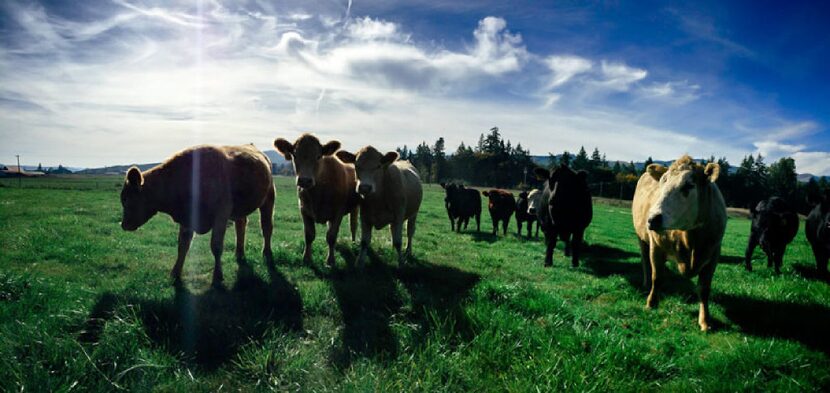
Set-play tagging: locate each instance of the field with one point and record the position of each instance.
(86, 306)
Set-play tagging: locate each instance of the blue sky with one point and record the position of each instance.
(113, 82)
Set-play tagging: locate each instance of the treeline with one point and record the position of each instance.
(496, 162)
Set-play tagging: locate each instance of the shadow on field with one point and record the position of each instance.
(603, 261)
(437, 292)
(805, 323)
(739, 260)
(208, 328)
(484, 236)
(367, 299)
(811, 273)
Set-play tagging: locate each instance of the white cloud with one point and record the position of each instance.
(813, 162)
(369, 29)
(620, 77)
(564, 68)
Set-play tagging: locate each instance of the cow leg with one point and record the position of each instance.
(753, 242)
(779, 258)
(504, 225)
(331, 238)
(217, 243)
(658, 262)
(397, 240)
(185, 237)
(538, 225)
(365, 240)
(410, 233)
(704, 283)
(266, 224)
(495, 226)
(310, 234)
(240, 226)
(770, 251)
(568, 247)
(529, 229)
(518, 228)
(645, 259)
(550, 242)
(452, 221)
(466, 222)
(354, 220)
(478, 222)
(576, 243)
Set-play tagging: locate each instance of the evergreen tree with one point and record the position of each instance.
(581, 160)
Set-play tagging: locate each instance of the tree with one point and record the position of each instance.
(439, 161)
(783, 180)
(39, 167)
(596, 159)
(581, 160)
(566, 158)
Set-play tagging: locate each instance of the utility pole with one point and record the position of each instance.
(19, 172)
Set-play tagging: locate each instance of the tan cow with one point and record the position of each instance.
(325, 188)
(391, 193)
(679, 213)
(202, 188)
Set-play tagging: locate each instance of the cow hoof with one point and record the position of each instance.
(549, 265)
(330, 261)
(574, 264)
(704, 326)
(240, 257)
(749, 268)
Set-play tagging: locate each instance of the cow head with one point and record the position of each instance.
(305, 154)
(823, 207)
(770, 217)
(135, 201)
(369, 165)
(563, 183)
(680, 189)
(453, 193)
(534, 198)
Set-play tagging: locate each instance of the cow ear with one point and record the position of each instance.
(523, 195)
(346, 157)
(330, 148)
(656, 171)
(134, 177)
(443, 185)
(712, 171)
(389, 158)
(284, 147)
(541, 173)
(752, 208)
(485, 193)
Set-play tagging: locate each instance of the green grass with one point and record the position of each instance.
(86, 306)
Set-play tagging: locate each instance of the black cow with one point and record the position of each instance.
(523, 215)
(462, 203)
(774, 225)
(501, 206)
(567, 209)
(818, 232)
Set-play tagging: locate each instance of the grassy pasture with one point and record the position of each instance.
(86, 306)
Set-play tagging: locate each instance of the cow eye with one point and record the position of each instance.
(687, 187)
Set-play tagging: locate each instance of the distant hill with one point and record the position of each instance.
(115, 169)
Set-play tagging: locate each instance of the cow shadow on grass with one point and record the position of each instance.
(810, 273)
(805, 323)
(739, 260)
(207, 329)
(484, 236)
(369, 300)
(604, 261)
(437, 294)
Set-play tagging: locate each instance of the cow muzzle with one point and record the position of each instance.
(364, 189)
(305, 182)
(655, 222)
(532, 210)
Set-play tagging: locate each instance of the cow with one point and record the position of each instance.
(325, 189)
(462, 203)
(679, 213)
(501, 205)
(390, 192)
(523, 214)
(565, 210)
(202, 188)
(774, 225)
(817, 229)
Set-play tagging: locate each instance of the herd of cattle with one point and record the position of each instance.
(678, 211)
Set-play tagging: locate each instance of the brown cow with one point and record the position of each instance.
(391, 193)
(325, 187)
(679, 213)
(202, 188)
(501, 204)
